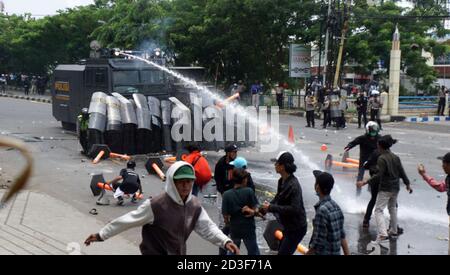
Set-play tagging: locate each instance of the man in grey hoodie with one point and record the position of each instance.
(167, 220)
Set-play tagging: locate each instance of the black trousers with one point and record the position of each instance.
(280, 101)
(326, 118)
(290, 241)
(84, 141)
(362, 115)
(375, 116)
(441, 106)
(371, 204)
(310, 118)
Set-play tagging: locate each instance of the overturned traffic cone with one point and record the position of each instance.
(291, 135)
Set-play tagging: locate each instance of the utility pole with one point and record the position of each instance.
(327, 33)
(341, 47)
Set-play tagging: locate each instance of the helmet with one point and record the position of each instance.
(239, 162)
(131, 164)
(85, 111)
(372, 128)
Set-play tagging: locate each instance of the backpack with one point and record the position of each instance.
(201, 167)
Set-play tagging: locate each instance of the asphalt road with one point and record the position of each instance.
(63, 173)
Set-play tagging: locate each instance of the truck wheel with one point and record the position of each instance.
(68, 126)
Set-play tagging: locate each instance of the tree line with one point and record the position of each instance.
(232, 39)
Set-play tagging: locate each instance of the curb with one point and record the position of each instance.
(428, 119)
(37, 99)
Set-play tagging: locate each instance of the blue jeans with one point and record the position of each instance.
(290, 101)
(250, 244)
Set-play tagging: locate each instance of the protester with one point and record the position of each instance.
(390, 171)
(440, 186)
(371, 165)
(287, 204)
(241, 163)
(239, 207)
(202, 170)
(223, 175)
(367, 145)
(161, 217)
(127, 183)
(328, 225)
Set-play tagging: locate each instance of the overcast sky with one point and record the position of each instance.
(41, 7)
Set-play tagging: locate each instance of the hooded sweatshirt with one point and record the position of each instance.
(167, 221)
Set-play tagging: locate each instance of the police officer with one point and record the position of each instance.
(82, 129)
(361, 106)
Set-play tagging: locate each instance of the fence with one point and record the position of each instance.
(418, 102)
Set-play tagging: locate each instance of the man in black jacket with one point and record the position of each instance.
(361, 107)
(223, 170)
(287, 205)
(223, 175)
(367, 145)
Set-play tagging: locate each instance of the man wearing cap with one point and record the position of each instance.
(168, 219)
(440, 186)
(223, 175)
(223, 170)
(241, 163)
(328, 225)
(287, 205)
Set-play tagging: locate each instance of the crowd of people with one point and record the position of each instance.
(240, 205)
(31, 84)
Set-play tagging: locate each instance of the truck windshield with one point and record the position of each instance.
(129, 81)
(146, 77)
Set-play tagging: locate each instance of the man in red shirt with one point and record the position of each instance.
(441, 186)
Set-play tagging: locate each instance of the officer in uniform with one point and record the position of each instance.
(82, 129)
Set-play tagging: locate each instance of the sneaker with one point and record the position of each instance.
(119, 201)
(399, 230)
(133, 199)
(393, 236)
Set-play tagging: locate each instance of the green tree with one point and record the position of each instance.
(371, 32)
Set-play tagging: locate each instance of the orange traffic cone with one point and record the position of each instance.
(291, 135)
